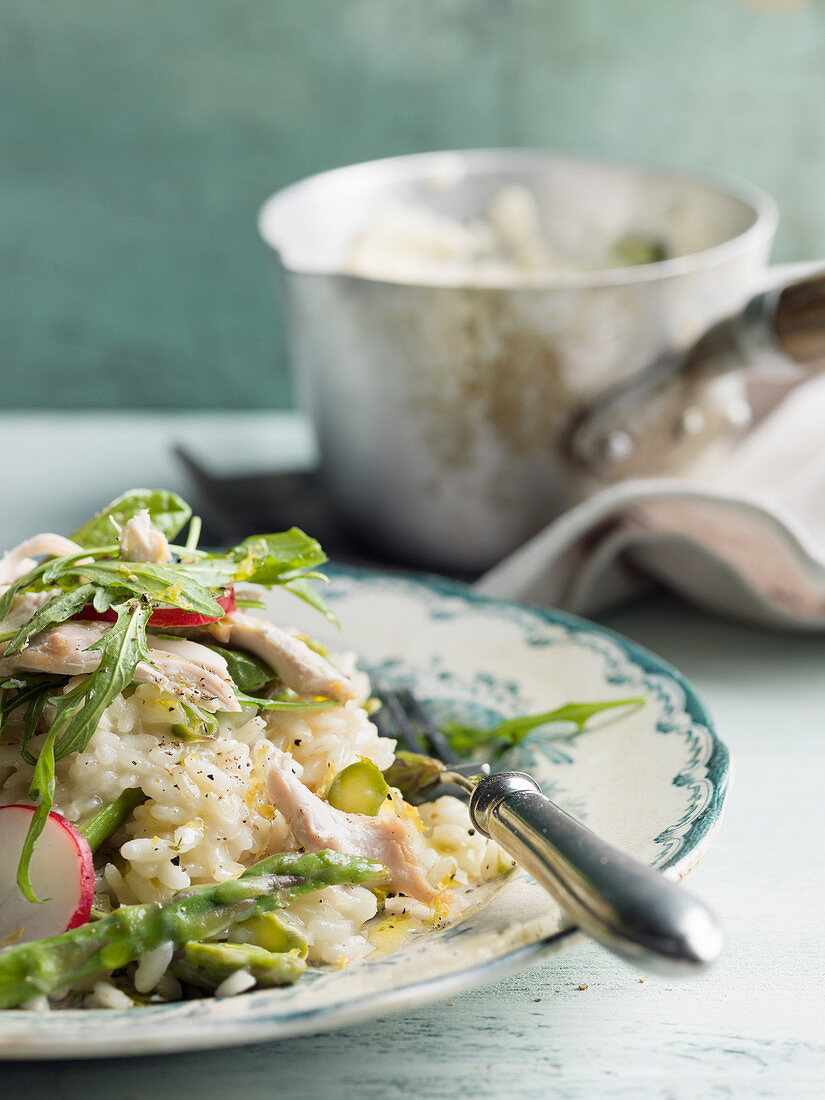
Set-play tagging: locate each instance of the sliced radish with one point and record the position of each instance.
(168, 616)
(61, 870)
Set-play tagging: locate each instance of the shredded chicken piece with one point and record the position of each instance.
(189, 671)
(316, 825)
(63, 650)
(300, 667)
(140, 541)
(17, 562)
(25, 605)
(182, 669)
(191, 651)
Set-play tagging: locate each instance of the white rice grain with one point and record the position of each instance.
(152, 967)
(236, 983)
(106, 995)
(449, 831)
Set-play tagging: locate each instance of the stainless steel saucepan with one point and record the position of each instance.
(457, 416)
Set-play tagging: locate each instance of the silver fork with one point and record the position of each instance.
(626, 906)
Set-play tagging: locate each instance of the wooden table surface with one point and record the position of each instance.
(754, 1026)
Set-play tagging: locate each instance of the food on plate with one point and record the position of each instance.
(189, 923)
(192, 798)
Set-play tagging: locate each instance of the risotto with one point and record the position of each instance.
(188, 768)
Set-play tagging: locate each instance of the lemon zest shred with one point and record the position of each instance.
(440, 908)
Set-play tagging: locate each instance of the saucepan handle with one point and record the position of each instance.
(787, 318)
(797, 317)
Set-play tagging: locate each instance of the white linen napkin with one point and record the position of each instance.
(751, 545)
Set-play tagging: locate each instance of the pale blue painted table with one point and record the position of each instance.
(753, 1027)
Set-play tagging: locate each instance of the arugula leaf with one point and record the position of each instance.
(42, 787)
(193, 534)
(21, 584)
(247, 672)
(33, 715)
(243, 602)
(168, 512)
(281, 559)
(77, 714)
(57, 567)
(18, 691)
(264, 559)
(301, 588)
(121, 648)
(284, 704)
(25, 691)
(57, 610)
(166, 584)
(46, 573)
(467, 739)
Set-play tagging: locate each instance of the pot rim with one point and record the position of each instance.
(759, 233)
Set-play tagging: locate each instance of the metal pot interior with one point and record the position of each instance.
(584, 204)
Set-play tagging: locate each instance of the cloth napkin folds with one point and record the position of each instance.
(750, 545)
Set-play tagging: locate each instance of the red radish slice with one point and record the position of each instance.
(168, 616)
(61, 870)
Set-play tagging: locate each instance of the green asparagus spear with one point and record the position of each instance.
(271, 931)
(111, 817)
(30, 969)
(207, 964)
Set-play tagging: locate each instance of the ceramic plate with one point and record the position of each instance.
(652, 781)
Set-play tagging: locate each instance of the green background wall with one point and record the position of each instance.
(139, 137)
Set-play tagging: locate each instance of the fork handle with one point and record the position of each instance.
(628, 907)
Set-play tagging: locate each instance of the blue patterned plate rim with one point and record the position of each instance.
(718, 765)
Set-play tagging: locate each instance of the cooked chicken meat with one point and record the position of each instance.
(316, 825)
(140, 541)
(190, 672)
(62, 650)
(23, 606)
(300, 667)
(19, 561)
(178, 667)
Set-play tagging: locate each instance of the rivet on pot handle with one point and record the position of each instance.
(609, 439)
